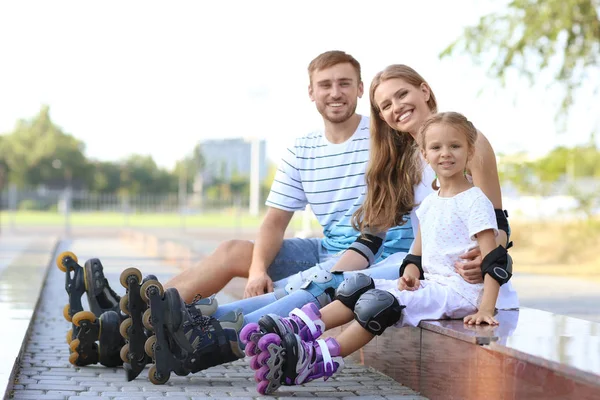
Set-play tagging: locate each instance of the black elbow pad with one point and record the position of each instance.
(498, 264)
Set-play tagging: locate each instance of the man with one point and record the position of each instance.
(324, 169)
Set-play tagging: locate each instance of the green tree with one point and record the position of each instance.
(106, 177)
(140, 174)
(560, 36)
(39, 152)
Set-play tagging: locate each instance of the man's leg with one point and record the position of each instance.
(231, 259)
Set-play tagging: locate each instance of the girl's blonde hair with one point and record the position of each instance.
(456, 121)
(394, 164)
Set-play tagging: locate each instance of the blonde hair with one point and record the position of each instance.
(394, 165)
(456, 121)
(331, 58)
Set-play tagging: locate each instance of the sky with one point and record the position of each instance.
(151, 77)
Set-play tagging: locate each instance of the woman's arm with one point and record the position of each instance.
(365, 250)
(484, 170)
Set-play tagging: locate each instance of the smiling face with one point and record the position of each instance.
(446, 149)
(401, 105)
(335, 91)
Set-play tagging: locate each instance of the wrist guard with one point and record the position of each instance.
(498, 264)
(412, 259)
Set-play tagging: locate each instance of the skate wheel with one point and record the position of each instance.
(255, 363)
(147, 320)
(150, 286)
(262, 358)
(83, 316)
(69, 336)
(263, 387)
(66, 312)
(251, 349)
(247, 331)
(261, 374)
(74, 345)
(124, 328)
(268, 339)
(124, 353)
(73, 358)
(61, 257)
(130, 273)
(149, 346)
(124, 304)
(157, 378)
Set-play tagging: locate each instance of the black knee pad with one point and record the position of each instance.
(376, 310)
(352, 288)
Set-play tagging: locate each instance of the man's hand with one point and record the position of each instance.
(471, 269)
(408, 283)
(257, 285)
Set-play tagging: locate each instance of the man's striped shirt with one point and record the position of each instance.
(331, 178)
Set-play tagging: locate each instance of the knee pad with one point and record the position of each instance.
(352, 288)
(323, 288)
(317, 281)
(376, 310)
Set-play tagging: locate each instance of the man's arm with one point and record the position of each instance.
(267, 245)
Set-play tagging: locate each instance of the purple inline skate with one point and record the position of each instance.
(305, 321)
(293, 361)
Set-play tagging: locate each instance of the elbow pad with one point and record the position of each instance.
(498, 264)
(412, 259)
(502, 221)
(369, 246)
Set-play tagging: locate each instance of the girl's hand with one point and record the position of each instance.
(408, 283)
(480, 317)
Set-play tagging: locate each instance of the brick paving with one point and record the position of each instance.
(44, 371)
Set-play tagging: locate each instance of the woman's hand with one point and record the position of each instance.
(470, 270)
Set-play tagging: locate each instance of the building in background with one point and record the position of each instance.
(225, 158)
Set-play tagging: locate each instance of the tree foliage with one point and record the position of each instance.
(562, 36)
(38, 151)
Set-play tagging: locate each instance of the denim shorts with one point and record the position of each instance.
(296, 255)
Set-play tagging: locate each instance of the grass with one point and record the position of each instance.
(556, 248)
(114, 219)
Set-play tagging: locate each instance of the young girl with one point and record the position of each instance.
(456, 218)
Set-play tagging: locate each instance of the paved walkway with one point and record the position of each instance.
(45, 373)
(23, 261)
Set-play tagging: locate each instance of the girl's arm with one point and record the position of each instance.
(416, 250)
(484, 170)
(487, 243)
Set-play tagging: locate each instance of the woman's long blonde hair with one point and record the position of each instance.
(394, 165)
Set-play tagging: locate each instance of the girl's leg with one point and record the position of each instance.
(336, 314)
(353, 338)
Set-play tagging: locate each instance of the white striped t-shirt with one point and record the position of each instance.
(331, 178)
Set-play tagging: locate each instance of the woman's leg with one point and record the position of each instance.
(246, 306)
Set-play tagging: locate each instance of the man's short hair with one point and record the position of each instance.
(331, 58)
